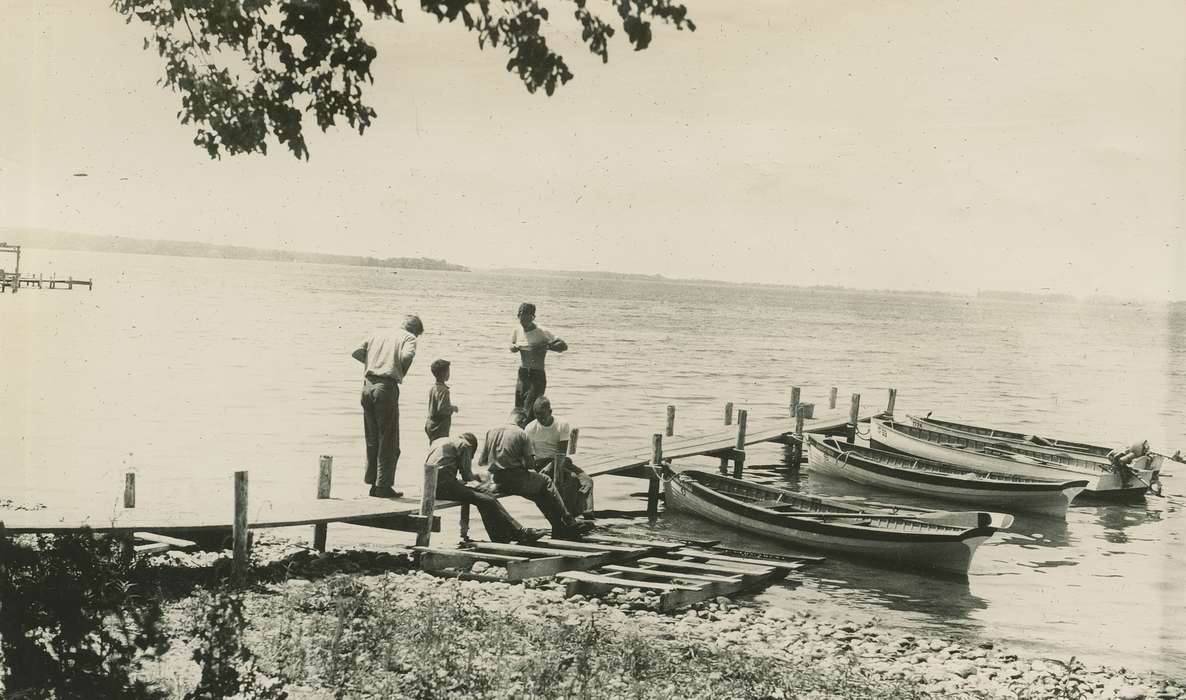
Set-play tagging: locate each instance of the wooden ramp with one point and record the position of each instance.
(711, 443)
(547, 557)
(392, 514)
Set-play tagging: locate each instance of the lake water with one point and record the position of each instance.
(184, 370)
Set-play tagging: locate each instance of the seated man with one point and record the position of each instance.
(508, 452)
(455, 454)
(549, 437)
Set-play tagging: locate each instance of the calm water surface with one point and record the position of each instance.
(184, 370)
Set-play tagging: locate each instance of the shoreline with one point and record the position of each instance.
(793, 648)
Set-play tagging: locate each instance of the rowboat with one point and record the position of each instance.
(939, 541)
(966, 450)
(893, 470)
(1143, 460)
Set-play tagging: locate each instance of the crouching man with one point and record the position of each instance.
(549, 437)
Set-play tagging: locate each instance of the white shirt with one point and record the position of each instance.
(546, 439)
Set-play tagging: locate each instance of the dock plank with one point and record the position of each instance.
(198, 514)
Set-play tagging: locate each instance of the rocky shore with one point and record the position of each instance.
(707, 650)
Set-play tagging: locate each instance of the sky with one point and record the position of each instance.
(947, 146)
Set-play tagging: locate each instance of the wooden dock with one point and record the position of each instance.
(15, 280)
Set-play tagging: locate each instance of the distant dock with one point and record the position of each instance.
(15, 280)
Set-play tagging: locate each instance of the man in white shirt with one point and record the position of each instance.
(388, 356)
(549, 437)
(532, 342)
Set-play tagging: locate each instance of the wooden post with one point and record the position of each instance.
(653, 489)
(428, 504)
(728, 413)
(854, 414)
(324, 479)
(739, 455)
(670, 420)
(893, 397)
(797, 442)
(832, 398)
(572, 440)
(239, 529)
(794, 402)
(129, 490)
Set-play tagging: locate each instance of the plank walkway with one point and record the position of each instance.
(710, 443)
(387, 513)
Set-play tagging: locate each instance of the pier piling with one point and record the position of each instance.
(797, 442)
(572, 440)
(129, 490)
(325, 471)
(893, 397)
(854, 413)
(239, 528)
(794, 406)
(428, 502)
(739, 448)
(656, 469)
(728, 413)
(670, 421)
(832, 398)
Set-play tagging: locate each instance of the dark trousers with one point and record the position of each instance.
(437, 430)
(531, 385)
(577, 491)
(380, 422)
(538, 489)
(500, 525)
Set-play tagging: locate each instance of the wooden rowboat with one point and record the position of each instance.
(899, 472)
(938, 541)
(1147, 462)
(967, 450)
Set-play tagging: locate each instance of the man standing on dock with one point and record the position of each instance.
(388, 356)
(532, 342)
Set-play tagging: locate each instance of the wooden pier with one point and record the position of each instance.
(15, 280)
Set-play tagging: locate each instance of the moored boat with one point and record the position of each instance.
(893, 470)
(1142, 459)
(967, 450)
(939, 541)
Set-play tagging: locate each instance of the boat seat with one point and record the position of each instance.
(774, 503)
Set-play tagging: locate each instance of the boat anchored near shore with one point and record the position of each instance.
(939, 541)
(892, 470)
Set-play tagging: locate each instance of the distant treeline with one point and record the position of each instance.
(35, 238)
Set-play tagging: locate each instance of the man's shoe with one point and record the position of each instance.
(385, 492)
(530, 534)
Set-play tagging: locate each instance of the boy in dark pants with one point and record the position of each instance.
(440, 408)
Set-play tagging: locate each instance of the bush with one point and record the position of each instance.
(75, 622)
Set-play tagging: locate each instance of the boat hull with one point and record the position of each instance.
(1146, 466)
(1101, 481)
(948, 553)
(890, 471)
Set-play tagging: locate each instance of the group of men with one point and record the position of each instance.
(520, 455)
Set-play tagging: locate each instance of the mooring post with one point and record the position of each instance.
(670, 420)
(728, 413)
(572, 440)
(325, 472)
(428, 504)
(794, 407)
(739, 448)
(854, 414)
(832, 398)
(129, 490)
(239, 528)
(797, 442)
(893, 397)
(656, 469)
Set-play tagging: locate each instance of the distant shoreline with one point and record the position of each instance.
(62, 240)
